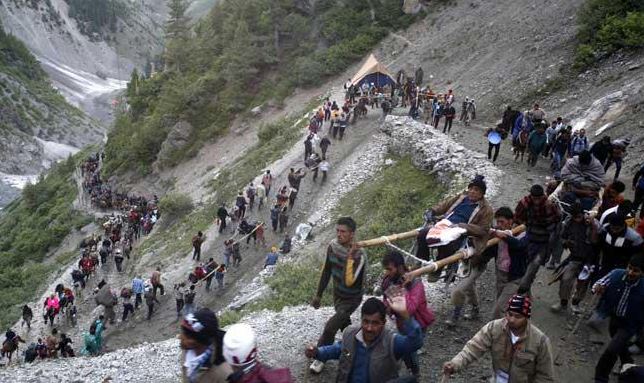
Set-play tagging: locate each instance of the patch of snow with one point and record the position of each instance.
(55, 151)
(18, 181)
(79, 85)
(599, 110)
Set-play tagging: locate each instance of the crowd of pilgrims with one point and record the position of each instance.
(576, 212)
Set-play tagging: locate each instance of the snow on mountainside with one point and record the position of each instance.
(83, 67)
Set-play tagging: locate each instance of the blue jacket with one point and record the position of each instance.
(518, 124)
(271, 259)
(137, 286)
(632, 309)
(411, 341)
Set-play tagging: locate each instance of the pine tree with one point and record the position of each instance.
(177, 24)
(133, 85)
(177, 33)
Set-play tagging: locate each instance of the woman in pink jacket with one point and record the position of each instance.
(52, 307)
(414, 292)
(53, 303)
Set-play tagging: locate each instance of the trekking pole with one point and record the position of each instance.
(582, 316)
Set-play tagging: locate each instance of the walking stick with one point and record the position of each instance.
(582, 316)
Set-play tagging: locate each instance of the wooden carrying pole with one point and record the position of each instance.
(456, 257)
(380, 241)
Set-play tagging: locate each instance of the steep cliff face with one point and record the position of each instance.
(85, 58)
(37, 125)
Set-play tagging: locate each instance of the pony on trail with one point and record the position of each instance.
(11, 346)
(520, 144)
(359, 110)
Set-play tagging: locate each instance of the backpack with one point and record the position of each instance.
(576, 140)
(76, 275)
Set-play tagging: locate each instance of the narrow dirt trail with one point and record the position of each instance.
(311, 195)
(86, 306)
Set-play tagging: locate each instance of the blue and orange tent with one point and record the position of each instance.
(374, 72)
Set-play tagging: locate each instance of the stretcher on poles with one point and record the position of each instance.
(428, 266)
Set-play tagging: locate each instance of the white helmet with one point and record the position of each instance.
(240, 345)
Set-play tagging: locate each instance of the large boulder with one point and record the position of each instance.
(411, 7)
(177, 139)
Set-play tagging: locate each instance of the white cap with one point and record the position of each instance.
(240, 345)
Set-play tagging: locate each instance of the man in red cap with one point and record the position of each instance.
(520, 351)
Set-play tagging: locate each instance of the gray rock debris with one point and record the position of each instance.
(148, 362)
(450, 162)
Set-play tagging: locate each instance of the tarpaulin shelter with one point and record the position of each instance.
(373, 72)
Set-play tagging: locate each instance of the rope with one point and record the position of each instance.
(405, 253)
(249, 234)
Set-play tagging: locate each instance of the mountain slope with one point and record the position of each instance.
(241, 55)
(82, 62)
(38, 126)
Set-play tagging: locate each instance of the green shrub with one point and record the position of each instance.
(175, 205)
(584, 56)
(30, 228)
(606, 26)
(620, 32)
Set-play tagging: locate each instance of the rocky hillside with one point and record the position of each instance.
(38, 126)
(89, 47)
(82, 62)
(499, 53)
(85, 48)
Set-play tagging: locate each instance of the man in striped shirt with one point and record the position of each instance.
(623, 302)
(346, 264)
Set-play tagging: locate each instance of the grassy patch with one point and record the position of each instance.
(393, 201)
(31, 227)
